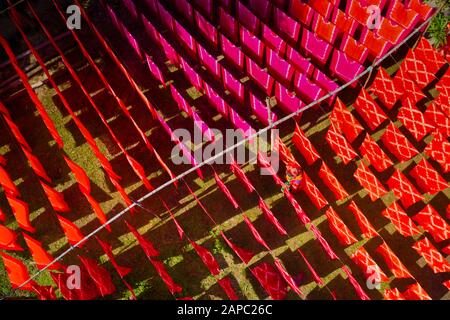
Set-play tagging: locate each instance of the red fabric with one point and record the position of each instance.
(404, 225)
(416, 292)
(225, 283)
(395, 265)
(315, 275)
(21, 213)
(313, 192)
(45, 292)
(428, 178)
(391, 31)
(422, 8)
(393, 294)
(225, 190)
(98, 211)
(325, 29)
(80, 175)
(40, 256)
(408, 86)
(403, 16)
(432, 256)
(177, 225)
(301, 11)
(285, 154)
(207, 258)
(43, 113)
(107, 249)
(376, 156)
(301, 215)
(8, 239)
(145, 244)
(242, 177)
(71, 231)
(36, 165)
(432, 222)
(332, 182)
(287, 277)
(339, 228)
(403, 189)
(99, 275)
(56, 198)
(7, 184)
(340, 146)
(428, 54)
(439, 150)
(122, 192)
(359, 291)
(329, 251)
(345, 122)
(370, 182)
(397, 143)
(369, 110)
(271, 217)
(243, 254)
(364, 224)
(17, 272)
(304, 146)
(435, 116)
(417, 70)
(140, 172)
(161, 269)
(367, 265)
(270, 280)
(2, 216)
(87, 291)
(414, 120)
(388, 91)
(255, 232)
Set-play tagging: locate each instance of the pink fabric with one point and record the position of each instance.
(181, 102)
(170, 52)
(279, 67)
(154, 69)
(133, 42)
(307, 90)
(324, 81)
(260, 76)
(216, 100)
(228, 25)
(247, 18)
(317, 48)
(192, 75)
(186, 38)
(345, 68)
(240, 123)
(301, 63)
(260, 109)
(185, 9)
(287, 100)
(209, 61)
(202, 126)
(261, 7)
(207, 29)
(233, 85)
(286, 25)
(152, 5)
(205, 6)
(274, 41)
(232, 53)
(150, 30)
(166, 17)
(252, 44)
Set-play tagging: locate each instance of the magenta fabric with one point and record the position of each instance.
(248, 19)
(228, 25)
(260, 110)
(232, 53)
(207, 29)
(279, 67)
(152, 5)
(261, 8)
(324, 81)
(300, 62)
(131, 7)
(209, 61)
(287, 100)
(259, 75)
(185, 38)
(192, 75)
(233, 85)
(115, 20)
(166, 17)
(133, 42)
(202, 126)
(185, 9)
(205, 6)
(181, 102)
(318, 49)
(154, 69)
(240, 123)
(170, 52)
(216, 100)
(286, 25)
(273, 41)
(345, 68)
(252, 44)
(150, 30)
(307, 90)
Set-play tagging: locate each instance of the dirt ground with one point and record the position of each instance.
(154, 223)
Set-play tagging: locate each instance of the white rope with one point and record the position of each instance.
(228, 150)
